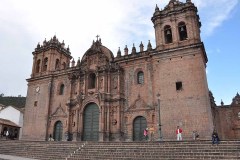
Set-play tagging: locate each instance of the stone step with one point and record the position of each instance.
(122, 150)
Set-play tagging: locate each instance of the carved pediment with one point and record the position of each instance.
(59, 112)
(139, 104)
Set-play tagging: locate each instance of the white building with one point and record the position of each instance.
(14, 115)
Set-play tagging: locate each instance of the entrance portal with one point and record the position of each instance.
(91, 123)
(58, 130)
(139, 124)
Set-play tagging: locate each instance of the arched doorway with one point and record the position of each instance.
(91, 122)
(58, 130)
(139, 124)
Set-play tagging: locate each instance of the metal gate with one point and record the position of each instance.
(58, 129)
(91, 123)
(139, 124)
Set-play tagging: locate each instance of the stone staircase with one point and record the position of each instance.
(169, 150)
(38, 150)
(158, 150)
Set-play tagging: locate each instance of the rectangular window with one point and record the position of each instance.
(179, 86)
(35, 103)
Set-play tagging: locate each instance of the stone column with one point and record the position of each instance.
(101, 135)
(34, 65)
(109, 82)
(80, 131)
(108, 123)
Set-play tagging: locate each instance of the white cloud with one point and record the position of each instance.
(214, 12)
(78, 22)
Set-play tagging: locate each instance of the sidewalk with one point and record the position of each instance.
(8, 157)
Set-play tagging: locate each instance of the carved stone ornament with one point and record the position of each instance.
(139, 104)
(37, 89)
(58, 113)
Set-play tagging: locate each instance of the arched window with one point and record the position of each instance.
(57, 64)
(140, 77)
(182, 30)
(64, 65)
(92, 81)
(168, 34)
(38, 66)
(61, 90)
(45, 64)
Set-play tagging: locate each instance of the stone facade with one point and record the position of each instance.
(227, 119)
(165, 86)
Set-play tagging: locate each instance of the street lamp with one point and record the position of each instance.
(159, 119)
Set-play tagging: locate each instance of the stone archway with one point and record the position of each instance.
(91, 123)
(58, 131)
(139, 124)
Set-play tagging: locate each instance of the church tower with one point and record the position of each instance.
(50, 56)
(50, 60)
(176, 25)
(180, 70)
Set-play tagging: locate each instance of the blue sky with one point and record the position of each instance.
(223, 67)
(120, 22)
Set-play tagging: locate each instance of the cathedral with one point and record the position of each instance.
(102, 97)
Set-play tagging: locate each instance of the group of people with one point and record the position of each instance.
(146, 132)
(151, 131)
(5, 134)
(215, 138)
(50, 138)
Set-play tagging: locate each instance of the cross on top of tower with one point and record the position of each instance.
(97, 37)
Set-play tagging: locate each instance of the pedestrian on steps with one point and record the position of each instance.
(7, 134)
(145, 133)
(179, 133)
(151, 130)
(215, 138)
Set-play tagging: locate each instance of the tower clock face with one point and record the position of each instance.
(37, 89)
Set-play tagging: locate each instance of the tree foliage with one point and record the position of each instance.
(18, 102)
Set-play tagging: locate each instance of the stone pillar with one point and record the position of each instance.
(109, 83)
(97, 82)
(108, 123)
(119, 123)
(80, 127)
(34, 65)
(101, 134)
(118, 89)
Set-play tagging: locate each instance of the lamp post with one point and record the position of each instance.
(159, 119)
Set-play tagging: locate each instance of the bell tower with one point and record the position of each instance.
(176, 25)
(180, 76)
(51, 56)
(50, 60)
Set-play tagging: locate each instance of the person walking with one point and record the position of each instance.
(179, 133)
(145, 133)
(151, 130)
